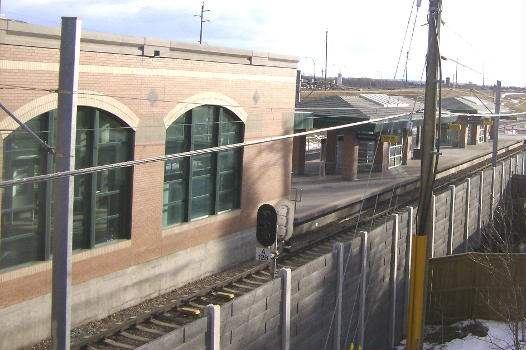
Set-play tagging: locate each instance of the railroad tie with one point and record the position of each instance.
(163, 323)
(150, 330)
(189, 311)
(224, 295)
(118, 344)
(135, 337)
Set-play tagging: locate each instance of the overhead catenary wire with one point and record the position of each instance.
(403, 41)
(349, 254)
(99, 168)
(411, 40)
(21, 87)
(478, 98)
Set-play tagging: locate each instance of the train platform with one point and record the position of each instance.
(323, 194)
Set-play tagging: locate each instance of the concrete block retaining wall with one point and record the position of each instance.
(322, 304)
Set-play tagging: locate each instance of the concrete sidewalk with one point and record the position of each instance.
(322, 195)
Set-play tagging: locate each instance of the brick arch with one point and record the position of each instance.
(207, 98)
(85, 98)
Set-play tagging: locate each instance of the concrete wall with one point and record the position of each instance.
(255, 320)
(124, 288)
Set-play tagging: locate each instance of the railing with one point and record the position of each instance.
(395, 156)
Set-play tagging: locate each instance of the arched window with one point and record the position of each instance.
(207, 184)
(102, 203)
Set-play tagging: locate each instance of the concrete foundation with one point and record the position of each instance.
(29, 321)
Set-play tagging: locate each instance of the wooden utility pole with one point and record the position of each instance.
(420, 248)
(202, 21)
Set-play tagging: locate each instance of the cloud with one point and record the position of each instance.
(365, 38)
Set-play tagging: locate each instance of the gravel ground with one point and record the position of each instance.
(97, 326)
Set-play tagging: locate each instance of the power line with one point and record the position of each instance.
(473, 92)
(411, 40)
(21, 87)
(113, 166)
(403, 41)
(99, 168)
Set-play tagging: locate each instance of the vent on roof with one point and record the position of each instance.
(384, 100)
(475, 100)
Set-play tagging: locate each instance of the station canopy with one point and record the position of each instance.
(338, 110)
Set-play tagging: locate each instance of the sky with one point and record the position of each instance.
(364, 37)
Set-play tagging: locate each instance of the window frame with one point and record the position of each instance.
(43, 230)
(187, 180)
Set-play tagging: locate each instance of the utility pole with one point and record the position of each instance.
(496, 121)
(326, 37)
(456, 74)
(483, 75)
(63, 187)
(202, 21)
(406, 59)
(420, 248)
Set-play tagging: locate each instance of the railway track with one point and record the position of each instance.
(149, 325)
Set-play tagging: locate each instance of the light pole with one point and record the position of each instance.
(314, 66)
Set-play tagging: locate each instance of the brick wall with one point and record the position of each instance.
(116, 76)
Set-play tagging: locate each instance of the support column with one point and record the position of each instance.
(213, 312)
(392, 280)
(486, 133)
(466, 222)
(298, 154)
(443, 132)
(463, 134)
(492, 195)
(481, 190)
(363, 287)
(407, 269)
(474, 137)
(286, 278)
(451, 228)
(339, 248)
(502, 179)
(63, 187)
(418, 143)
(381, 159)
(350, 156)
(432, 233)
(406, 144)
(330, 149)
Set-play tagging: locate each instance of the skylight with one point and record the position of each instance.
(384, 100)
(475, 100)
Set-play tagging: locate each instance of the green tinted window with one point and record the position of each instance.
(202, 185)
(101, 207)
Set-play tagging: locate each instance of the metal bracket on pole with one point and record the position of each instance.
(23, 126)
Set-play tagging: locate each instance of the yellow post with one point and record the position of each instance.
(416, 293)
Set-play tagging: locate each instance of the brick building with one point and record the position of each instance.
(142, 231)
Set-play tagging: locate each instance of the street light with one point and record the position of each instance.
(314, 65)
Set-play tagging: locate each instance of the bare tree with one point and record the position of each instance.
(502, 295)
